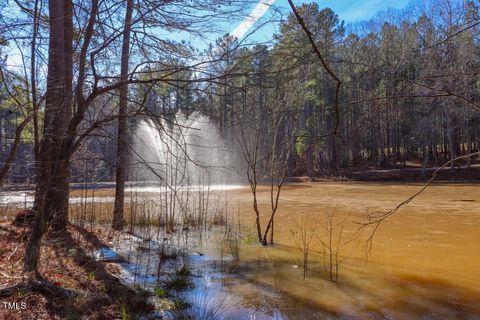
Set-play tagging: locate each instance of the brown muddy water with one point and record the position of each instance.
(424, 262)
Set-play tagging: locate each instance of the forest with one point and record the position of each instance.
(156, 163)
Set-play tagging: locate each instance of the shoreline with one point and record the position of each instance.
(409, 175)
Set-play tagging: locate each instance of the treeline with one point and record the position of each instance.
(409, 92)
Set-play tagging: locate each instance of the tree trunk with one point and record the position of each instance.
(51, 198)
(13, 150)
(33, 81)
(118, 218)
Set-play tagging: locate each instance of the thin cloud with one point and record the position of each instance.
(260, 9)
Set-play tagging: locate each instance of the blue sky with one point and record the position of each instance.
(355, 10)
(350, 11)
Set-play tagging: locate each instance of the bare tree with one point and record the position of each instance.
(31, 106)
(118, 219)
(332, 243)
(303, 237)
(269, 165)
(66, 127)
(14, 95)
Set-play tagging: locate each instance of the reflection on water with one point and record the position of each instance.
(217, 282)
(424, 262)
(13, 198)
(155, 188)
(26, 198)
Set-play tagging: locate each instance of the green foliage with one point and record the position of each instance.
(301, 143)
(124, 314)
(91, 275)
(16, 105)
(249, 238)
(160, 292)
(312, 83)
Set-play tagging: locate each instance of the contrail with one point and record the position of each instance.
(239, 32)
(260, 9)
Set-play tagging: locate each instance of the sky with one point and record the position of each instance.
(355, 10)
(350, 11)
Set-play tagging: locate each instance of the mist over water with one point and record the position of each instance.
(184, 151)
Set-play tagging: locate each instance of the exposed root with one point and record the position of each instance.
(8, 291)
(41, 286)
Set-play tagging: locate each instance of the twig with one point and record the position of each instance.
(380, 218)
